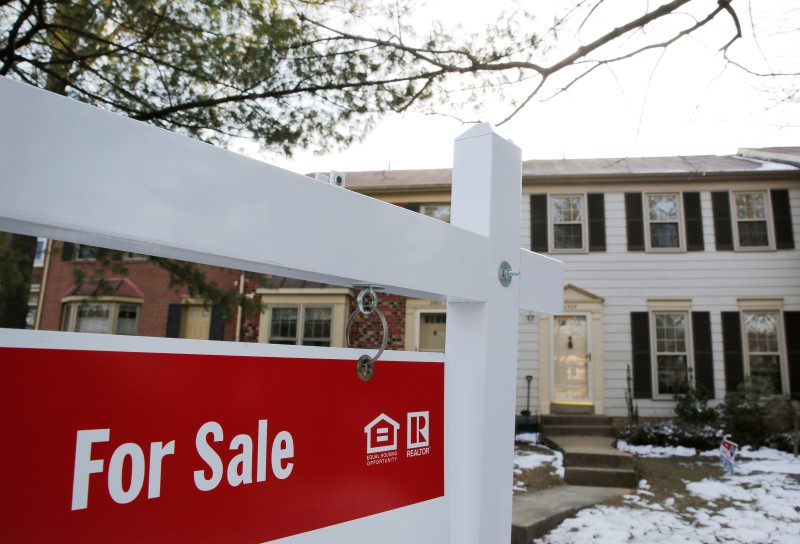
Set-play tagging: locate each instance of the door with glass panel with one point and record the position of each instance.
(432, 331)
(570, 359)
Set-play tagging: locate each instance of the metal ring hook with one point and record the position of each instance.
(365, 367)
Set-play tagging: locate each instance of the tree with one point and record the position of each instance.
(316, 74)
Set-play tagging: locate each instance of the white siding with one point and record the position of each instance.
(713, 281)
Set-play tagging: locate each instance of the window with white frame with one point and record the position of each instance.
(751, 216)
(568, 220)
(437, 211)
(41, 247)
(663, 221)
(763, 347)
(101, 317)
(301, 325)
(671, 353)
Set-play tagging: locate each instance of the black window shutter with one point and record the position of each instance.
(634, 221)
(732, 347)
(413, 207)
(782, 218)
(539, 223)
(703, 354)
(597, 221)
(694, 222)
(723, 230)
(67, 251)
(217, 325)
(640, 341)
(792, 322)
(174, 315)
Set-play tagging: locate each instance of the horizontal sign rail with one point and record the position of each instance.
(151, 191)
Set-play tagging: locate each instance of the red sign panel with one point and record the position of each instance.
(102, 446)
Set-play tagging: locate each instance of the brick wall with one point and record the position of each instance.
(149, 278)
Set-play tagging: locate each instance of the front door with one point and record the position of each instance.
(196, 322)
(570, 359)
(432, 331)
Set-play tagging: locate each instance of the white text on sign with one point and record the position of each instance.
(239, 470)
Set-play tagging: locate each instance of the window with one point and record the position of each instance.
(41, 246)
(664, 222)
(33, 304)
(437, 211)
(101, 317)
(308, 316)
(751, 213)
(568, 223)
(762, 347)
(86, 253)
(671, 352)
(671, 348)
(301, 325)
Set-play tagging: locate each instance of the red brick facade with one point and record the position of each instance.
(153, 282)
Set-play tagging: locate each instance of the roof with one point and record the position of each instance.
(534, 171)
(117, 287)
(785, 155)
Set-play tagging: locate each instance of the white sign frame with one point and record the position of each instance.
(76, 173)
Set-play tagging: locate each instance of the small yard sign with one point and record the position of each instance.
(142, 446)
(727, 453)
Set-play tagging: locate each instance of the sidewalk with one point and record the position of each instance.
(534, 514)
(596, 461)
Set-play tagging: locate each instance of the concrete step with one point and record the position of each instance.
(577, 430)
(601, 477)
(598, 460)
(585, 409)
(575, 420)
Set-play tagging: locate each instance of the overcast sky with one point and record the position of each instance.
(686, 101)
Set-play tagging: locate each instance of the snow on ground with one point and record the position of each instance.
(528, 460)
(758, 504)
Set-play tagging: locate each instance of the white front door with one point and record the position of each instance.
(571, 360)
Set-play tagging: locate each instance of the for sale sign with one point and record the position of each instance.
(134, 446)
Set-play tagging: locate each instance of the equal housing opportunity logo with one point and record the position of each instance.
(383, 434)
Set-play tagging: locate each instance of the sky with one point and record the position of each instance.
(686, 101)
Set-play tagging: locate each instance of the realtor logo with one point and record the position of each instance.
(381, 434)
(418, 429)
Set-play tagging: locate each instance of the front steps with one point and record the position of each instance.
(587, 443)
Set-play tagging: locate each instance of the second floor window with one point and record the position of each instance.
(663, 219)
(751, 213)
(437, 211)
(568, 219)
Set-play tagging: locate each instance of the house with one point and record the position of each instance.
(677, 270)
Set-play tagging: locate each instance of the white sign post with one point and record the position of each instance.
(79, 174)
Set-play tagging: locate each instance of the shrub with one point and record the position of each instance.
(671, 433)
(748, 414)
(693, 409)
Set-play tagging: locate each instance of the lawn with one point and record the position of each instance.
(683, 497)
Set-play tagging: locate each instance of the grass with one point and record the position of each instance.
(540, 478)
(667, 479)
